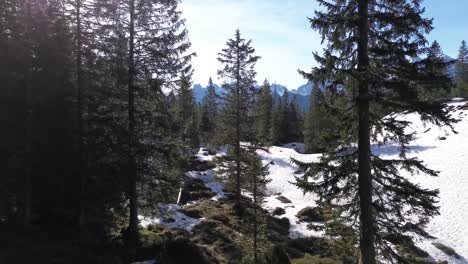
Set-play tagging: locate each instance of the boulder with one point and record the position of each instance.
(200, 165)
(278, 211)
(193, 190)
(212, 151)
(168, 220)
(283, 199)
(182, 250)
(192, 212)
(310, 214)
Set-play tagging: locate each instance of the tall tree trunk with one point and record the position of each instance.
(28, 123)
(133, 220)
(255, 219)
(238, 138)
(79, 87)
(367, 236)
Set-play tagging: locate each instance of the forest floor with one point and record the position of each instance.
(205, 227)
(442, 149)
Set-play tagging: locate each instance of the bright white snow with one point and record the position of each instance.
(439, 148)
(173, 218)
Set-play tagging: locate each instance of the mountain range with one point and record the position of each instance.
(301, 94)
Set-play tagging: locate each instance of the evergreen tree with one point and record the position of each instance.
(186, 113)
(238, 71)
(284, 118)
(155, 44)
(372, 192)
(294, 120)
(461, 71)
(209, 114)
(276, 122)
(257, 182)
(436, 90)
(264, 113)
(313, 122)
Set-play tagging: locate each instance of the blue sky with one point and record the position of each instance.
(281, 34)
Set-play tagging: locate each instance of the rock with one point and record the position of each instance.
(201, 165)
(193, 213)
(280, 225)
(182, 250)
(193, 190)
(197, 195)
(168, 220)
(212, 151)
(283, 199)
(310, 214)
(205, 154)
(272, 163)
(442, 138)
(278, 211)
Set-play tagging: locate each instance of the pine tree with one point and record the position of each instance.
(437, 67)
(294, 120)
(369, 189)
(264, 113)
(186, 113)
(238, 71)
(209, 114)
(276, 122)
(461, 71)
(313, 122)
(284, 122)
(257, 175)
(157, 57)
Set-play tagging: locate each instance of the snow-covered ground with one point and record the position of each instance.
(440, 149)
(446, 152)
(282, 183)
(173, 218)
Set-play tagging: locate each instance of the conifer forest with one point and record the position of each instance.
(158, 132)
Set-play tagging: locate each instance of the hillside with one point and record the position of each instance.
(441, 149)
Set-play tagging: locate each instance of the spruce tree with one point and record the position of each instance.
(152, 37)
(294, 120)
(238, 60)
(257, 185)
(284, 122)
(186, 113)
(437, 66)
(461, 71)
(209, 114)
(276, 122)
(372, 43)
(313, 122)
(264, 113)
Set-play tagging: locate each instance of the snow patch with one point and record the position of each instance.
(173, 218)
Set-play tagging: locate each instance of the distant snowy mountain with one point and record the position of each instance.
(305, 89)
(451, 67)
(280, 89)
(199, 92)
(301, 94)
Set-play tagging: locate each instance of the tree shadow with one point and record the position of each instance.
(395, 149)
